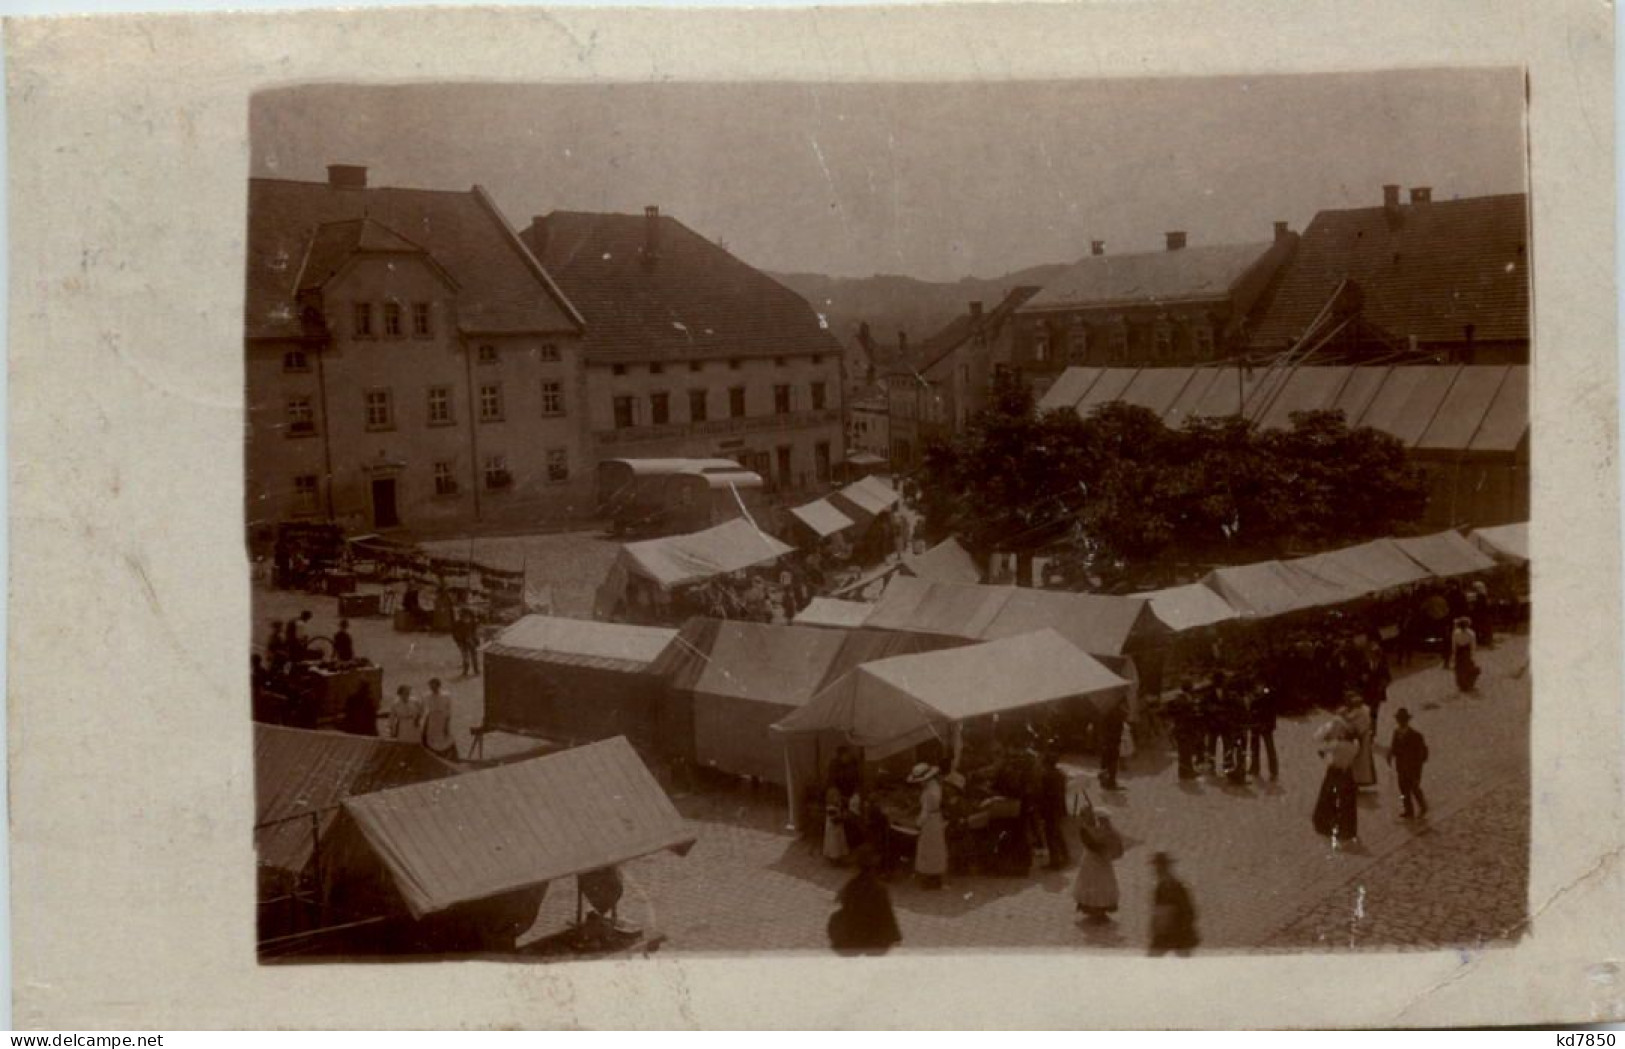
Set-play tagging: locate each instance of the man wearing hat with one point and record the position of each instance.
(1408, 752)
(931, 854)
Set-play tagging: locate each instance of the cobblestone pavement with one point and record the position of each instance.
(1463, 882)
(1258, 872)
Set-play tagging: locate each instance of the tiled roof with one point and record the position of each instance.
(297, 228)
(1477, 408)
(1427, 271)
(1205, 272)
(959, 330)
(694, 300)
(335, 242)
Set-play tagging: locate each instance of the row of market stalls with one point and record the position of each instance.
(772, 701)
(380, 844)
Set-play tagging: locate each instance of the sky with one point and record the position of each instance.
(935, 181)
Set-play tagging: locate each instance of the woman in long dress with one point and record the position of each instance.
(1095, 887)
(835, 843)
(1359, 721)
(931, 854)
(1336, 813)
(1463, 646)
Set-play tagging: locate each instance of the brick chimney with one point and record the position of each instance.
(1421, 194)
(1176, 239)
(1097, 247)
(651, 233)
(975, 311)
(1390, 197)
(347, 176)
(1281, 232)
(902, 344)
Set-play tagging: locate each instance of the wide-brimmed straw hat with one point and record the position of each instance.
(922, 772)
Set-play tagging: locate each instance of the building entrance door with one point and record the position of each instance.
(384, 514)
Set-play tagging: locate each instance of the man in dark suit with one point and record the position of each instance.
(1408, 752)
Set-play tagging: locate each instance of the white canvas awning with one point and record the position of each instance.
(889, 705)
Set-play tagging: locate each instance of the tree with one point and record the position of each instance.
(1121, 500)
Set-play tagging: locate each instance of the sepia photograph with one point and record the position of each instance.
(959, 516)
(1082, 515)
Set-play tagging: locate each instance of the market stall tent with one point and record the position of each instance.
(733, 679)
(1190, 607)
(890, 705)
(682, 560)
(947, 562)
(1103, 625)
(515, 827)
(866, 499)
(575, 680)
(833, 612)
(302, 777)
(1366, 569)
(1508, 544)
(1273, 588)
(926, 607)
(1445, 554)
(821, 518)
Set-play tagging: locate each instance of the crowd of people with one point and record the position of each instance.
(1011, 804)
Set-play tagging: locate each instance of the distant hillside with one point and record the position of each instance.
(890, 303)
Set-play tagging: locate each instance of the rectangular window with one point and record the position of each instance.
(295, 361)
(1077, 346)
(736, 402)
(657, 368)
(1119, 345)
(440, 406)
(695, 366)
(819, 392)
(617, 369)
(778, 362)
(734, 364)
(301, 417)
(821, 461)
(488, 354)
(1162, 344)
(496, 472)
(304, 494)
(558, 465)
(363, 320)
(491, 402)
(697, 406)
(1204, 341)
(781, 400)
(548, 352)
(552, 398)
(422, 327)
(1041, 348)
(623, 413)
(659, 409)
(380, 410)
(785, 469)
(392, 319)
(445, 482)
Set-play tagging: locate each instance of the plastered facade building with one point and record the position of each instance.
(409, 363)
